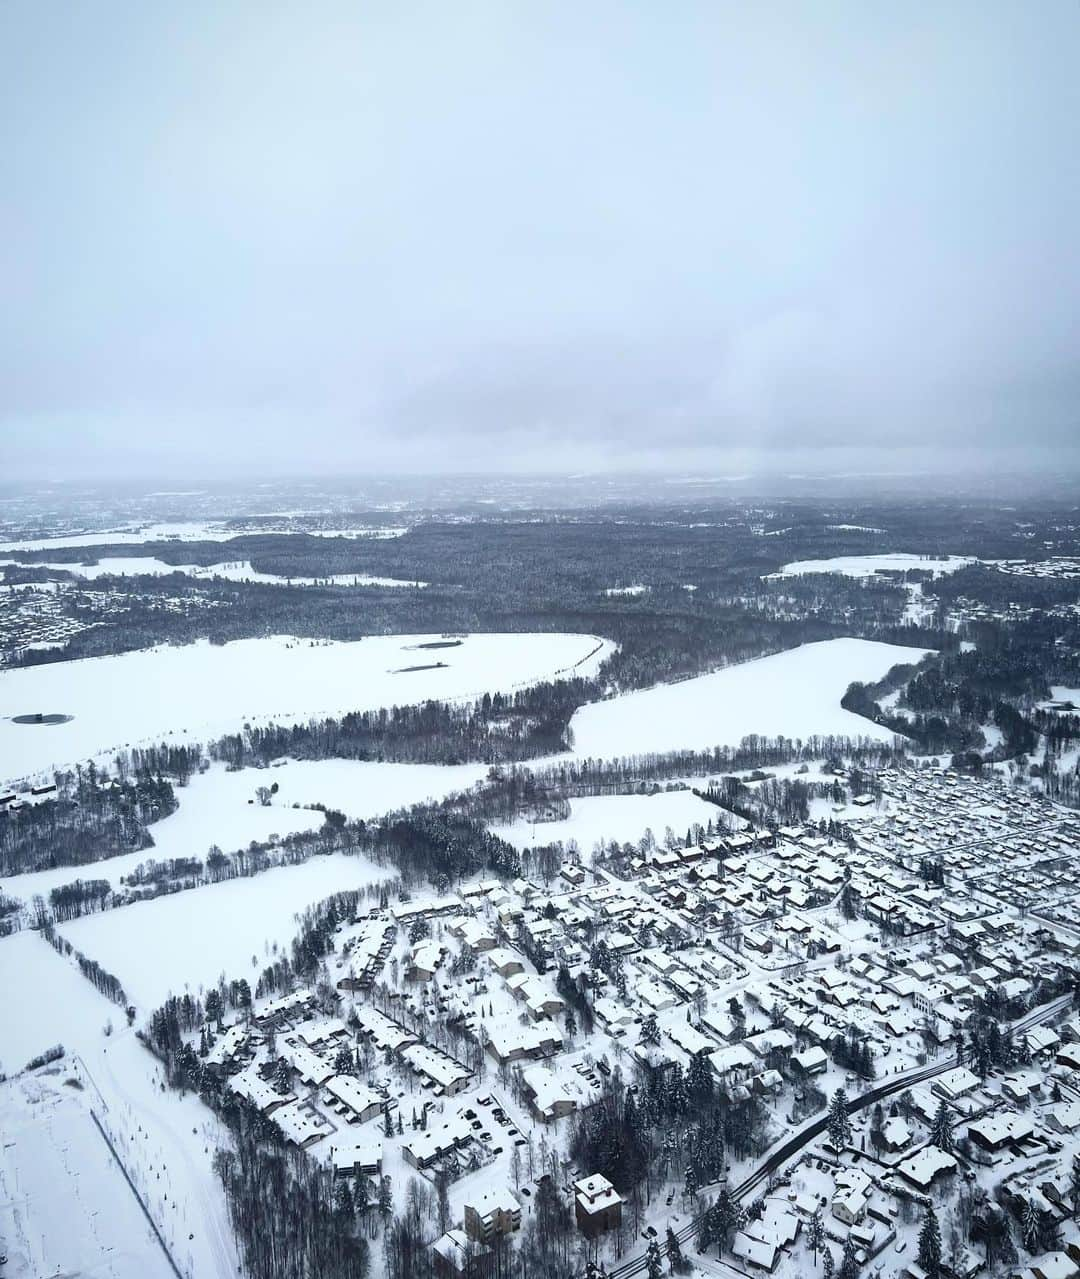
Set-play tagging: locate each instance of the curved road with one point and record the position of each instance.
(779, 1154)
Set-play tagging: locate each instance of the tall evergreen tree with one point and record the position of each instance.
(930, 1244)
(941, 1130)
(674, 1252)
(815, 1234)
(849, 1260)
(1030, 1227)
(839, 1123)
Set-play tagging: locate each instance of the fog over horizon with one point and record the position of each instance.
(339, 238)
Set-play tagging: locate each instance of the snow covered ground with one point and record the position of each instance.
(186, 941)
(1062, 694)
(357, 788)
(794, 694)
(231, 571)
(214, 809)
(84, 1212)
(620, 817)
(867, 565)
(203, 690)
(64, 1205)
(183, 532)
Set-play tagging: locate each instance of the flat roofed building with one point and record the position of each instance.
(597, 1205)
(495, 1212)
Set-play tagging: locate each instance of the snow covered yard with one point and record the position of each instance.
(615, 817)
(794, 694)
(185, 941)
(204, 689)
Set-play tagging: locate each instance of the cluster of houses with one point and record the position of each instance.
(771, 957)
(35, 617)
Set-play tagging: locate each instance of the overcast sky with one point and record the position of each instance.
(334, 236)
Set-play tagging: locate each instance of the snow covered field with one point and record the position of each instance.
(203, 690)
(214, 809)
(1062, 694)
(794, 694)
(357, 788)
(232, 571)
(620, 817)
(867, 565)
(165, 1140)
(186, 941)
(183, 532)
(64, 1205)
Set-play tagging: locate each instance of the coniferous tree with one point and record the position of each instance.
(941, 1131)
(849, 1260)
(386, 1197)
(343, 1199)
(674, 1252)
(930, 1245)
(1030, 1227)
(839, 1123)
(815, 1234)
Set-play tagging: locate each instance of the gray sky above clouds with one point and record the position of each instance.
(336, 236)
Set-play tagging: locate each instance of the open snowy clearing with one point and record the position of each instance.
(65, 1207)
(233, 571)
(868, 565)
(186, 941)
(795, 694)
(184, 532)
(356, 787)
(203, 690)
(166, 1141)
(624, 818)
(214, 809)
(1062, 694)
(45, 1001)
